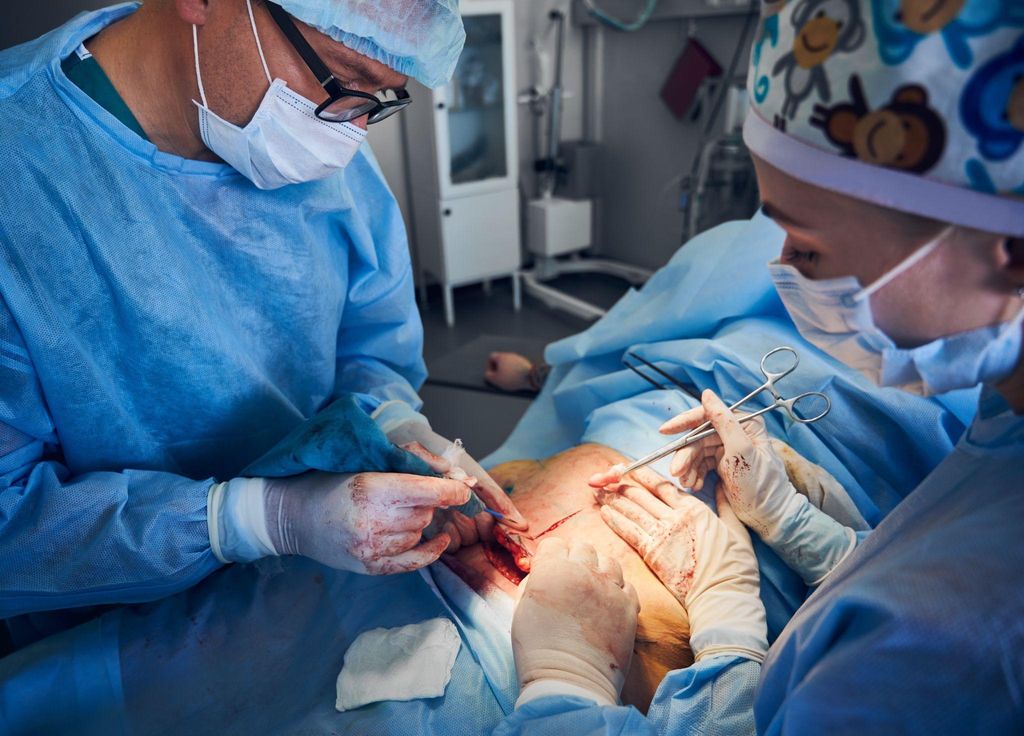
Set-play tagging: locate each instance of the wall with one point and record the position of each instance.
(22, 21)
(648, 148)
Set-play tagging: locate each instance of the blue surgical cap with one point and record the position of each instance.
(419, 38)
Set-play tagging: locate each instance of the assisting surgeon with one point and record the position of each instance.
(199, 254)
(900, 185)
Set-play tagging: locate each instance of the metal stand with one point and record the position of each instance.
(548, 268)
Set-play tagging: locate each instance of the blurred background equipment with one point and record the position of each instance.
(463, 162)
(560, 226)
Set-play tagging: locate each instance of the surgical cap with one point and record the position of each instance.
(419, 38)
(913, 105)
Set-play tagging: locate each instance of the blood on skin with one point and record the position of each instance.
(512, 542)
(503, 562)
(557, 524)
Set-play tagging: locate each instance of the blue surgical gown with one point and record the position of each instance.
(919, 630)
(162, 324)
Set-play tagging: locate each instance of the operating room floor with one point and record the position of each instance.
(483, 418)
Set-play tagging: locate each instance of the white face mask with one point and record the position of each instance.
(285, 142)
(835, 315)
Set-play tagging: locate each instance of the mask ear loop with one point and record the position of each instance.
(259, 46)
(199, 74)
(907, 263)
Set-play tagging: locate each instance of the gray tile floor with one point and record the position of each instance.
(483, 419)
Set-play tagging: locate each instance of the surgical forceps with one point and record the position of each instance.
(791, 406)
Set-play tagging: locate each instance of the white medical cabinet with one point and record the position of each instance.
(462, 152)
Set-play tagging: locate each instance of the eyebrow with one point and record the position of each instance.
(362, 69)
(780, 217)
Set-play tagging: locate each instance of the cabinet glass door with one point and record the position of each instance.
(476, 98)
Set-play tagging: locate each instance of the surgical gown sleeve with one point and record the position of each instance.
(712, 696)
(101, 537)
(380, 339)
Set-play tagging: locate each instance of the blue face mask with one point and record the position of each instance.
(835, 315)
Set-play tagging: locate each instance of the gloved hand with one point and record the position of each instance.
(575, 624)
(461, 529)
(367, 522)
(759, 489)
(417, 430)
(705, 561)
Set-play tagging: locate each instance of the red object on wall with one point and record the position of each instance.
(692, 67)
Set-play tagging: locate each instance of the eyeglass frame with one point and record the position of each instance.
(335, 90)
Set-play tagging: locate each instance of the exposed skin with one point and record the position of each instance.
(970, 281)
(508, 371)
(148, 57)
(554, 490)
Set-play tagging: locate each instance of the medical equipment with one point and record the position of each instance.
(809, 541)
(463, 163)
(558, 226)
(721, 179)
(791, 407)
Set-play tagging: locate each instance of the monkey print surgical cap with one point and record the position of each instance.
(917, 105)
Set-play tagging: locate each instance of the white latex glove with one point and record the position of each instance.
(461, 529)
(820, 486)
(367, 522)
(705, 561)
(759, 489)
(417, 430)
(575, 625)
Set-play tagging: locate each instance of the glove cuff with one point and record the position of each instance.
(391, 415)
(748, 640)
(753, 654)
(811, 542)
(543, 688)
(731, 620)
(237, 520)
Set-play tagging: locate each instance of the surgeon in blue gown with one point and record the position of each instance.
(894, 265)
(198, 253)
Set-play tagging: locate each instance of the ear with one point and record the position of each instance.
(193, 12)
(1012, 257)
(911, 94)
(841, 124)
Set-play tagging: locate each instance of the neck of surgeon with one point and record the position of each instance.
(147, 56)
(1012, 388)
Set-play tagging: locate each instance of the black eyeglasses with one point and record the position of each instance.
(344, 105)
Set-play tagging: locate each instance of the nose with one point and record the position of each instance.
(361, 122)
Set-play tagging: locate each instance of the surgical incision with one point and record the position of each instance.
(554, 497)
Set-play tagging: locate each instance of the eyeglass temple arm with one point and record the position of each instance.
(295, 37)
